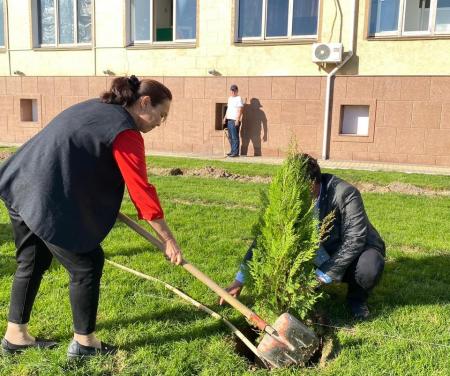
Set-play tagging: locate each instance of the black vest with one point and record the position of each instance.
(64, 182)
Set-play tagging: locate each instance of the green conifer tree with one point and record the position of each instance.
(281, 274)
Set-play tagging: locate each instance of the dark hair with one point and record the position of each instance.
(312, 168)
(127, 90)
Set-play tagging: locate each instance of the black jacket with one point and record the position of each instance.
(351, 232)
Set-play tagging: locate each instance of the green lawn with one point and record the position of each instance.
(161, 335)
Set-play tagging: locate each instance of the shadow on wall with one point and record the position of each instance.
(254, 127)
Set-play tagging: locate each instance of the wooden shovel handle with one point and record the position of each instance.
(248, 313)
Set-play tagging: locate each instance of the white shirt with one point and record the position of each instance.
(234, 104)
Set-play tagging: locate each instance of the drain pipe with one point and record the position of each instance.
(326, 118)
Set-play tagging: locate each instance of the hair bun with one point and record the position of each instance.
(134, 82)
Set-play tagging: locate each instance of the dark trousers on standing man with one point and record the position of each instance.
(233, 136)
(34, 257)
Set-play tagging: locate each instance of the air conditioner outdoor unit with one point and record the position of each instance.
(327, 52)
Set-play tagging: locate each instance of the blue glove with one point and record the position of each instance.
(321, 256)
(323, 277)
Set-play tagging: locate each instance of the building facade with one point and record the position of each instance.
(389, 102)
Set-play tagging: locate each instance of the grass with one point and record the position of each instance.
(161, 335)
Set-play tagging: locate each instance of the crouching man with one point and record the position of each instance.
(352, 253)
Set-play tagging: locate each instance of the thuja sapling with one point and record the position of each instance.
(281, 275)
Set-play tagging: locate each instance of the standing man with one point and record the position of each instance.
(233, 118)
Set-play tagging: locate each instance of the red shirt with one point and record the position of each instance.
(129, 153)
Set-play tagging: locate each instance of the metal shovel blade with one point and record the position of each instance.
(297, 346)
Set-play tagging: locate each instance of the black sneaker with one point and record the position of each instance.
(10, 348)
(359, 309)
(77, 350)
(228, 154)
(233, 155)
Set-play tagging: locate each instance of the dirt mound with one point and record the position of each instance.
(208, 172)
(219, 173)
(398, 187)
(4, 154)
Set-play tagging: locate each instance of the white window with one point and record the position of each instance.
(62, 23)
(409, 17)
(355, 120)
(165, 21)
(2, 24)
(276, 19)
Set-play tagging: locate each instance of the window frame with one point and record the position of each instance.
(175, 41)
(3, 47)
(400, 33)
(264, 38)
(57, 45)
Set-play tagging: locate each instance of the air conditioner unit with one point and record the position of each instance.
(327, 52)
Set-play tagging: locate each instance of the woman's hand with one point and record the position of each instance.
(173, 252)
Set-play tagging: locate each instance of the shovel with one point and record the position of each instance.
(287, 342)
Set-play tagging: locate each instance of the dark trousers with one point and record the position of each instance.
(363, 274)
(233, 136)
(34, 257)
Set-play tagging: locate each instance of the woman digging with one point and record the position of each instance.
(63, 190)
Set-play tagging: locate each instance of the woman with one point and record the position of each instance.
(63, 190)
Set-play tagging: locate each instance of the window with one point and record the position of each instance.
(28, 110)
(2, 24)
(355, 120)
(163, 21)
(63, 22)
(221, 110)
(276, 19)
(409, 17)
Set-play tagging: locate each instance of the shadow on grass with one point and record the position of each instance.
(406, 281)
(6, 234)
(7, 265)
(188, 334)
(182, 326)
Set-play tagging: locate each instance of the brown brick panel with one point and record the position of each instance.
(260, 87)
(13, 85)
(308, 87)
(415, 88)
(440, 89)
(79, 86)
(283, 88)
(194, 87)
(426, 115)
(359, 87)
(46, 85)
(176, 86)
(398, 114)
(216, 87)
(387, 88)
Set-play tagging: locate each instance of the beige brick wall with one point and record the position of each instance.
(412, 119)
(410, 116)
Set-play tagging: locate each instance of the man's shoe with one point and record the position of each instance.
(10, 348)
(359, 309)
(233, 155)
(77, 350)
(228, 154)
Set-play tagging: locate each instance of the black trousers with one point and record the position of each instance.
(34, 257)
(363, 274)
